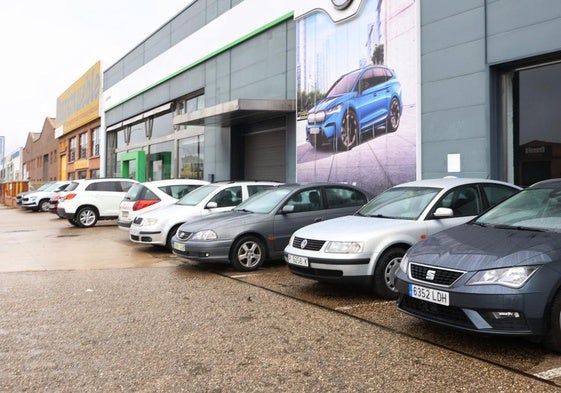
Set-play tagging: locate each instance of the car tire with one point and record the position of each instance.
(71, 221)
(170, 235)
(349, 130)
(552, 339)
(86, 217)
(384, 273)
(247, 254)
(44, 205)
(394, 112)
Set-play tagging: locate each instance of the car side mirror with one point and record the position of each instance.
(287, 209)
(443, 212)
(211, 205)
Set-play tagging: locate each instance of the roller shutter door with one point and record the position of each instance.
(265, 155)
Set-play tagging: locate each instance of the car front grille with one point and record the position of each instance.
(308, 244)
(436, 312)
(434, 275)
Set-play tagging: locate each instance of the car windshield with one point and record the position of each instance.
(196, 196)
(405, 203)
(343, 85)
(47, 186)
(535, 209)
(264, 201)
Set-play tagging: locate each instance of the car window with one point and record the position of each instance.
(344, 85)
(124, 185)
(178, 190)
(405, 203)
(306, 201)
(343, 197)
(231, 196)
(195, 197)
(254, 189)
(495, 193)
(264, 202)
(373, 77)
(72, 186)
(464, 201)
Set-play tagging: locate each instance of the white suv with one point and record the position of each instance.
(39, 200)
(86, 201)
(159, 226)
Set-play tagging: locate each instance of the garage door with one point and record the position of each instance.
(265, 155)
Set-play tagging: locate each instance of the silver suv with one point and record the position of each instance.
(89, 200)
(39, 200)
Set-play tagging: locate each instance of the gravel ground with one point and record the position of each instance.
(174, 329)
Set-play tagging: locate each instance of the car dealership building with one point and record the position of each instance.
(224, 90)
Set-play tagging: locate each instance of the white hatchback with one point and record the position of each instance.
(144, 197)
(367, 247)
(158, 226)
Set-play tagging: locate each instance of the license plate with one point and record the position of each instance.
(124, 213)
(315, 130)
(297, 260)
(135, 231)
(429, 294)
(179, 246)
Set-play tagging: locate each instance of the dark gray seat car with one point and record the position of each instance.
(497, 274)
(260, 228)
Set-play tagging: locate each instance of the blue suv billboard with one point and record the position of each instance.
(360, 101)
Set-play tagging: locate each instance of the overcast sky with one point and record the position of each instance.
(47, 45)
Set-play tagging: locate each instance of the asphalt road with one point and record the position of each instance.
(86, 310)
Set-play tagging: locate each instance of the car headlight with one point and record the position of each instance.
(404, 264)
(513, 277)
(204, 235)
(335, 109)
(149, 221)
(343, 247)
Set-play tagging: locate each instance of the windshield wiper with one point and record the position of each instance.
(244, 210)
(515, 227)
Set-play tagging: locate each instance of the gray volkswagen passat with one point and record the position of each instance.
(498, 274)
(259, 228)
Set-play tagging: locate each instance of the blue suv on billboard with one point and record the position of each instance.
(358, 102)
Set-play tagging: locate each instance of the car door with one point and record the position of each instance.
(372, 100)
(466, 203)
(308, 207)
(225, 199)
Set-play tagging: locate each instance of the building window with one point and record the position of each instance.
(72, 153)
(94, 174)
(191, 157)
(95, 142)
(83, 145)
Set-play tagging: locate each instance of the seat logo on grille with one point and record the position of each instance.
(303, 244)
(430, 275)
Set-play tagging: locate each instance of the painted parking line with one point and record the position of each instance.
(549, 374)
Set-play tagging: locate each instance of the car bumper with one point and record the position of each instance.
(485, 309)
(124, 224)
(216, 251)
(339, 267)
(30, 206)
(61, 212)
(145, 235)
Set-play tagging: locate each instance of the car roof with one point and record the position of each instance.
(166, 182)
(549, 183)
(448, 182)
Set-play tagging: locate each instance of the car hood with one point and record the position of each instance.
(173, 211)
(354, 228)
(330, 102)
(472, 247)
(224, 221)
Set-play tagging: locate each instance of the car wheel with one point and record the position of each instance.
(552, 340)
(247, 254)
(44, 205)
(349, 130)
(170, 235)
(86, 217)
(384, 273)
(393, 116)
(73, 222)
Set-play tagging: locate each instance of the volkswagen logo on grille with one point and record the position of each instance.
(303, 244)
(430, 275)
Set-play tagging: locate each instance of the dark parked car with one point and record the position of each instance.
(259, 228)
(358, 102)
(498, 274)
